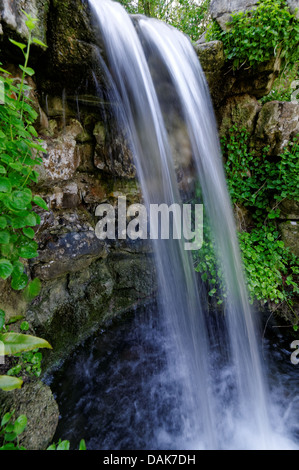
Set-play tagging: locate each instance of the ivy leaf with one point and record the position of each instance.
(29, 232)
(21, 199)
(5, 185)
(6, 268)
(20, 424)
(33, 289)
(40, 202)
(28, 250)
(4, 237)
(19, 282)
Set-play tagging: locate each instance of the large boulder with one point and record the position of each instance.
(221, 9)
(36, 401)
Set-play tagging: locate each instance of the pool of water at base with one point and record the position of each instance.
(116, 392)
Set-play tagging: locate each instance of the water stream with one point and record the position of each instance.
(190, 380)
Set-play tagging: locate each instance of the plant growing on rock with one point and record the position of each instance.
(258, 35)
(19, 154)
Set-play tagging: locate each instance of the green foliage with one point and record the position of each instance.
(27, 364)
(19, 155)
(257, 183)
(261, 184)
(258, 35)
(65, 445)
(270, 268)
(11, 430)
(189, 16)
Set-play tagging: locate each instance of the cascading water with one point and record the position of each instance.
(220, 404)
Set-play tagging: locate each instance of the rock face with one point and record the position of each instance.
(221, 9)
(13, 20)
(277, 124)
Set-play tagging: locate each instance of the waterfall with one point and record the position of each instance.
(222, 398)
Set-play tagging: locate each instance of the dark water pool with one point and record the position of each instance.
(109, 391)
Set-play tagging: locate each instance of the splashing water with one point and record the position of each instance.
(222, 399)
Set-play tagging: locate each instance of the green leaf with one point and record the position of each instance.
(3, 222)
(2, 319)
(38, 42)
(14, 319)
(30, 220)
(29, 232)
(28, 250)
(15, 343)
(18, 44)
(24, 326)
(52, 447)
(20, 424)
(40, 202)
(10, 383)
(4, 237)
(6, 418)
(21, 199)
(82, 445)
(19, 282)
(6, 268)
(28, 70)
(64, 445)
(33, 289)
(5, 185)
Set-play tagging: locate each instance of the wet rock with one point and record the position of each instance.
(60, 160)
(289, 209)
(212, 60)
(112, 153)
(71, 307)
(36, 401)
(256, 81)
(240, 111)
(290, 235)
(68, 253)
(277, 124)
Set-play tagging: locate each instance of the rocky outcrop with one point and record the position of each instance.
(221, 9)
(278, 123)
(35, 400)
(12, 19)
(240, 111)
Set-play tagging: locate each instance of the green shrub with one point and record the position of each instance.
(19, 155)
(259, 34)
(260, 185)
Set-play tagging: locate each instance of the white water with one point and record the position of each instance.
(224, 401)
